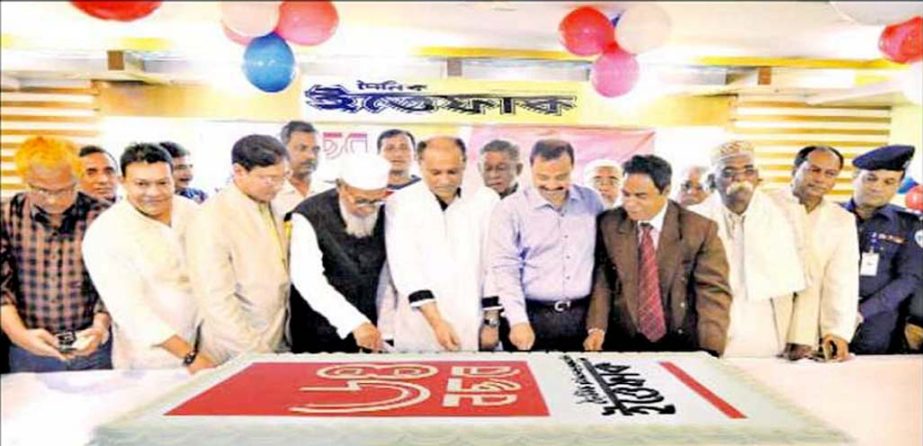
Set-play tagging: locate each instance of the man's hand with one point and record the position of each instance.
(522, 336)
(202, 362)
(368, 337)
(594, 341)
(489, 338)
(837, 345)
(96, 336)
(795, 352)
(446, 336)
(39, 342)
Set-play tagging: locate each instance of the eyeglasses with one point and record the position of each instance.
(689, 187)
(273, 180)
(746, 172)
(60, 193)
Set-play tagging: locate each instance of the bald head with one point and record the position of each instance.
(442, 164)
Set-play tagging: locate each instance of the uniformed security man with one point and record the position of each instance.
(891, 248)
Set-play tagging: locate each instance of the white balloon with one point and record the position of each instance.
(913, 83)
(251, 19)
(878, 13)
(642, 27)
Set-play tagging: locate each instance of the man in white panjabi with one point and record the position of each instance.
(765, 267)
(237, 255)
(435, 232)
(337, 257)
(825, 313)
(134, 254)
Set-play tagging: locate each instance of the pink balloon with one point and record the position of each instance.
(586, 31)
(614, 73)
(237, 38)
(307, 22)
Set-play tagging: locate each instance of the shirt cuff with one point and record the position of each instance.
(515, 315)
(420, 298)
(347, 327)
(491, 303)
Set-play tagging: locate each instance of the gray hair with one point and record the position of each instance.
(502, 146)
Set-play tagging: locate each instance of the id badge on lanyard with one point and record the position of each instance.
(868, 264)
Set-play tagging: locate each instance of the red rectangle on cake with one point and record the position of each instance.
(374, 389)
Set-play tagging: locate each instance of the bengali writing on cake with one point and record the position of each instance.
(616, 388)
(374, 389)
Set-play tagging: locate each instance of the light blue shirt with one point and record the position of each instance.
(537, 252)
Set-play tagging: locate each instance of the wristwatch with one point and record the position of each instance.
(492, 322)
(190, 357)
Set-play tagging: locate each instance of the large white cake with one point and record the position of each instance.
(477, 399)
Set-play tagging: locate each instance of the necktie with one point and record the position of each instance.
(266, 213)
(650, 309)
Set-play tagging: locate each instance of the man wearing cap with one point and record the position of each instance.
(435, 232)
(890, 245)
(540, 254)
(765, 266)
(825, 311)
(239, 272)
(337, 254)
(661, 280)
(604, 176)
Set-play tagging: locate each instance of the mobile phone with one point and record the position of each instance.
(66, 340)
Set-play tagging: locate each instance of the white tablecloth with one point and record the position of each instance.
(877, 400)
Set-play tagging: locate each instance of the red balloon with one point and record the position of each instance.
(230, 34)
(614, 73)
(914, 198)
(307, 22)
(124, 11)
(903, 42)
(586, 31)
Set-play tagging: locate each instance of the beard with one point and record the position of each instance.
(359, 227)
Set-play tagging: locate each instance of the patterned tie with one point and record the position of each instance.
(650, 310)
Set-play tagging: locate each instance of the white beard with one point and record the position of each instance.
(359, 227)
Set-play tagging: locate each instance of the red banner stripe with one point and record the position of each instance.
(703, 391)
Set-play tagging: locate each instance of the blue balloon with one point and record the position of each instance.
(908, 184)
(269, 63)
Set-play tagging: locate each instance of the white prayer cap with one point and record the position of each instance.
(366, 171)
(589, 171)
(730, 149)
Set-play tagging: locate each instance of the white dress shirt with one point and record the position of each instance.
(308, 278)
(440, 251)
(289, 198)
(238, 272)
(139, 267)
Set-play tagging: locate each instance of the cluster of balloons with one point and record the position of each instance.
(267, 28)
(586, 31)
(122, 11)
(901, 40)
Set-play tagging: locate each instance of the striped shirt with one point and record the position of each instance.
(42, 267)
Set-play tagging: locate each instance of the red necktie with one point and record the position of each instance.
(650, 310)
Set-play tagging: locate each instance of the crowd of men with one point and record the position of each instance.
(162, 275)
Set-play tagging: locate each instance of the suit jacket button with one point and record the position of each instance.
(680, 331)
(682, 304)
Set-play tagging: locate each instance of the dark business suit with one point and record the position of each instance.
(693, 272)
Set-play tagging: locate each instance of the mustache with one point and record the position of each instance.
(739, 186)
